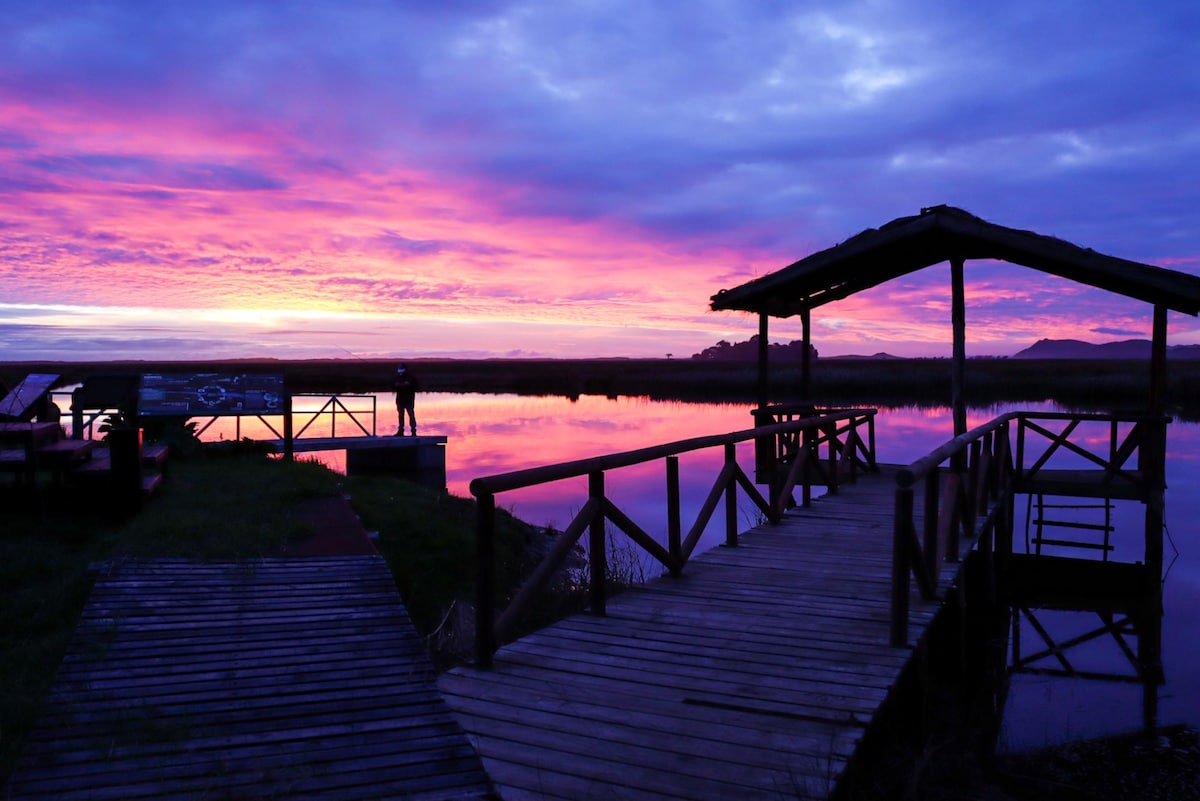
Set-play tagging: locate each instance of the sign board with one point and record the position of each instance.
(209, 394)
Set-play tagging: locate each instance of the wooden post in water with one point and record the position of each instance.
(1150, 634)
(597, 558)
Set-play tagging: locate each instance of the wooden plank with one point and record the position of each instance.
(236, 680)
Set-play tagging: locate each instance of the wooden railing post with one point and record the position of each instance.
(485, 611)
(289, 439)
(831, 436)
(933, 486)
(901, 566)
(972, 482)
(952, 514)
(597, 556)
(674, 524)
(871, 435)
(1006, 497)
(731, 527)
(808, 451)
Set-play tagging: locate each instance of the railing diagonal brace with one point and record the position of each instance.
(706, 511)
(639, 535)
(563, 544)
(753, 494)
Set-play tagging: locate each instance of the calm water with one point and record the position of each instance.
(497, 433)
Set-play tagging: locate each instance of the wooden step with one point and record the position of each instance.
(64, 452)
(151, 482)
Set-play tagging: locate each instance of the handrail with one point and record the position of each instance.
(519, 479)
(331, 406)
(838, 431)
(980, 485)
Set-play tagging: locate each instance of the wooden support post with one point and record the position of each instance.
(805, 357)
(1149, 631)
(674, 526)
(485, 612)
(763, 379)
(1152, 461)
(1158, 362)
(901, 566)
(958, 315)
(597, 557)
(1155, 467)
(731, 527)
(125, 452)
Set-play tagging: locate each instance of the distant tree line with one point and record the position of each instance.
(748, 351)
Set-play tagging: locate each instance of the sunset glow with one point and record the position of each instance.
(488, 178)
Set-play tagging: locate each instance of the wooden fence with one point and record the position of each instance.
(798, 445)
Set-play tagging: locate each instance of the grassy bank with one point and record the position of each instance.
(212, 507)
(1103, 384)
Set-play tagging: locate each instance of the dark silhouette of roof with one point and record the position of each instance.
(945, 233)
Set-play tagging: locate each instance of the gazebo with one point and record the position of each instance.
(947, 234)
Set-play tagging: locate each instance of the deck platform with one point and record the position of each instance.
(271, 678)
(310, 444)
(752, 676)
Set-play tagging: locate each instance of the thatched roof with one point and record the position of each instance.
(944, 233)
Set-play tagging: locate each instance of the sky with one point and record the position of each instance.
(471, 178)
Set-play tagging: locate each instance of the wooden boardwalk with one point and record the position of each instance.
(753, 676)
(273, 678)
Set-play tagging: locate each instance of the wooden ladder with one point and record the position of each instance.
(1041, 522)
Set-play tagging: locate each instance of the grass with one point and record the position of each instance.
(428, 540)
(228, 506)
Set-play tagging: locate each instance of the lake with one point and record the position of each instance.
(490, 434)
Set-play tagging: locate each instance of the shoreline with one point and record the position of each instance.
(1117, 385)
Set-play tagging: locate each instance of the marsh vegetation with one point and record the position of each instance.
(1095, 383)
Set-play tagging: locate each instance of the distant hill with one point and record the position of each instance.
(874, 357)
(1077, 349)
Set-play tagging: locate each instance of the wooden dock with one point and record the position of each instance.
(752, 676)
(272, 678)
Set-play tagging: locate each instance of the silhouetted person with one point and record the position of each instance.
(406, 399)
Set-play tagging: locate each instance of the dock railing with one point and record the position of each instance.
(968, 486)
(780, 458)
(350, 409)
(838, 432)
